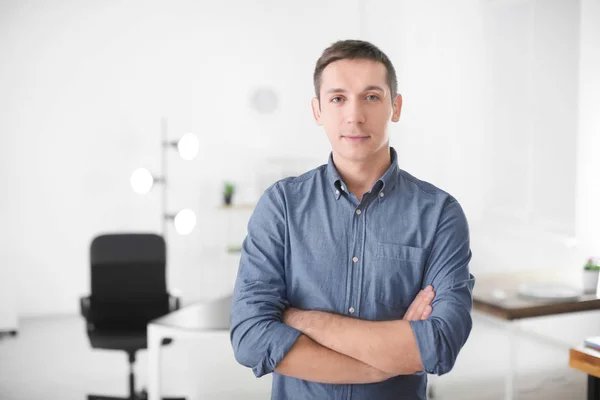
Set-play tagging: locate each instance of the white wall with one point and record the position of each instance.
(588, 146)
(490, 114)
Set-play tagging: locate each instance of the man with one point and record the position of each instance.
(334, 258)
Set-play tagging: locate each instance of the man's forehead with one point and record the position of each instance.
(349, 74)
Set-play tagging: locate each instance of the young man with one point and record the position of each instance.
(340, 265)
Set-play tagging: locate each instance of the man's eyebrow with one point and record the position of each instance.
(368, 88)
(374, 87)
(336, 90)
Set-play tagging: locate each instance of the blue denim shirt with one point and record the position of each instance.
(300, 251)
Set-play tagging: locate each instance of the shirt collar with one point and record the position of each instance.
(390, 177)
(334, 179)
(384, 185)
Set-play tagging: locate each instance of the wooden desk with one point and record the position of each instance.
(587, 360)
(497, 296)
(489, 289)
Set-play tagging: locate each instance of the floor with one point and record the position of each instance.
(51, 359)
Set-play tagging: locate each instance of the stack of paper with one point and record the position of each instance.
(593, 342)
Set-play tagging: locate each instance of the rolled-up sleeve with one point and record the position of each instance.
(259, 337)
(441, 337)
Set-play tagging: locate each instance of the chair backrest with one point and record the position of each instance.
(128, 279)
(128, 266)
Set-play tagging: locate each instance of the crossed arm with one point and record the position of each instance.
(338, 349)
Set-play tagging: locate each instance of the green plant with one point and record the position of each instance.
(591, 265)
(228, 189)
(234, 248)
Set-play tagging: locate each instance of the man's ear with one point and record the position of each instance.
(316, 109)
(396, 108)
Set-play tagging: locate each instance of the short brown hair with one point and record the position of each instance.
(354, 49)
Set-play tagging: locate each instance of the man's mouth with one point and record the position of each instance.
(356, 138)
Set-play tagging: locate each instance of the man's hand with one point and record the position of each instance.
(420, 308)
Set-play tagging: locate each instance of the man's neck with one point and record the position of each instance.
(361, 176)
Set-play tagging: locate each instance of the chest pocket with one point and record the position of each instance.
(395, 277)
(399, 252)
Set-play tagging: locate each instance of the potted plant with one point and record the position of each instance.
(591, 270)
(228, 191)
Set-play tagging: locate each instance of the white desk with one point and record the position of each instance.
(209, 318)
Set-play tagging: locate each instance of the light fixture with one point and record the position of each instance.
(188, 146)
(142, 180)
(185, 221)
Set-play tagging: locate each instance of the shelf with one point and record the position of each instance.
(244, 206)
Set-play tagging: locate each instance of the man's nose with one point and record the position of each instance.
(355, 113)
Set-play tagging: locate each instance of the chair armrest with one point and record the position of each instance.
(84, 307)
(174, 299)
(174, 302)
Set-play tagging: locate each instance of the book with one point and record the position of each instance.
(593, 342)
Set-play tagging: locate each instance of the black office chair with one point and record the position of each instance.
(128, 289)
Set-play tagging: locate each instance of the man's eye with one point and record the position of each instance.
(372, 97)
(336, 99)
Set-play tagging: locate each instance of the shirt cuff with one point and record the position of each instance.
(283, 338)
(427, 344)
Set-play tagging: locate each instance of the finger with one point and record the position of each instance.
(425, 301)
(411, 313)
(426, 313)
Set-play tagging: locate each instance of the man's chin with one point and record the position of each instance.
(359, 153)
(355, 155)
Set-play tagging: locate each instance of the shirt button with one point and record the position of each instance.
(337, 192)
(355, 259)
(342, 187)
(351, 310)
(381, 194)
(358, 212)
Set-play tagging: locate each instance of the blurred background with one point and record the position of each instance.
(501, 102)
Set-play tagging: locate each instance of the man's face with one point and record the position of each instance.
(355, 109)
